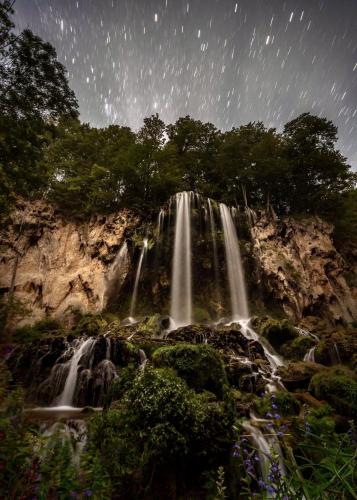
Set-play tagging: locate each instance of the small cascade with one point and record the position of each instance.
(84, 348)
(306, 333)
(181, 286)
(335, 354)
(137, 278)
(160, 222)
(310, 355)
(239, 303)
(265, 444)
(143, 359)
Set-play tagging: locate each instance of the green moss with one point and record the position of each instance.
(201, 315)
(200, 366)
(297, 348)
(286, 404)
(338, 386)
(150, 326)
(90, 324)
(277, 332)
(39, 330)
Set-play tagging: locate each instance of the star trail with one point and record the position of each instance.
(224, 61)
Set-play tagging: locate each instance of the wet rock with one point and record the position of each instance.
(298, 375)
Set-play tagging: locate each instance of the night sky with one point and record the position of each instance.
(224, 61)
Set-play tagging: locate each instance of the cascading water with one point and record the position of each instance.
(137, 278)
(84, 347)
(310, 355)
(181, 286)
(239, 303)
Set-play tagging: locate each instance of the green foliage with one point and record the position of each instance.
(338, 386)
(90, 324)
(34, 94)
(15, 446)
(159, 422)
(39, 330)
(201, 366)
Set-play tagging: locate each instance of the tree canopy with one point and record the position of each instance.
(46, 150)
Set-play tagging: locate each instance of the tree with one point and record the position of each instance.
(318, 172)
(33, 82)
(34, 95)
(196, 146)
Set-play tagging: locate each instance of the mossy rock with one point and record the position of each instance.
(337, 347)
(277, 332)
(297, 348)
(298, 375)
(285, 402)
(201, 366)
(235, 370)
(337, 386)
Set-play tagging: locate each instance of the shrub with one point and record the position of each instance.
(39, 330)
(160, 425)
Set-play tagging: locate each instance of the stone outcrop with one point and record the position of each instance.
(54, 265)
(301, 269)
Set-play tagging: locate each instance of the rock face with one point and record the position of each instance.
(301, 269)
(55, 266)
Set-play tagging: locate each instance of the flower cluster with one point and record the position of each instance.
(276, 423)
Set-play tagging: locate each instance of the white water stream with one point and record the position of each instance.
(239, 302)
(137, 278)
(66, 398)
(181, 286)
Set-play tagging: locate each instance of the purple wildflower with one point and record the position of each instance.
(88, 493)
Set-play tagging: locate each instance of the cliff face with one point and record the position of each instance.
(302, 270)
(55, 266)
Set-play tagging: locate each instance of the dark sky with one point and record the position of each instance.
(225, 61)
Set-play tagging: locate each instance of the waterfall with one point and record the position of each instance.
(137, 278)
(238, 293)
(181, 287)
(214, 246)
(84, 347)
(310, 355)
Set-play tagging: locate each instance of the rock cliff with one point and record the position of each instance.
(302, 270)
(55, 266)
